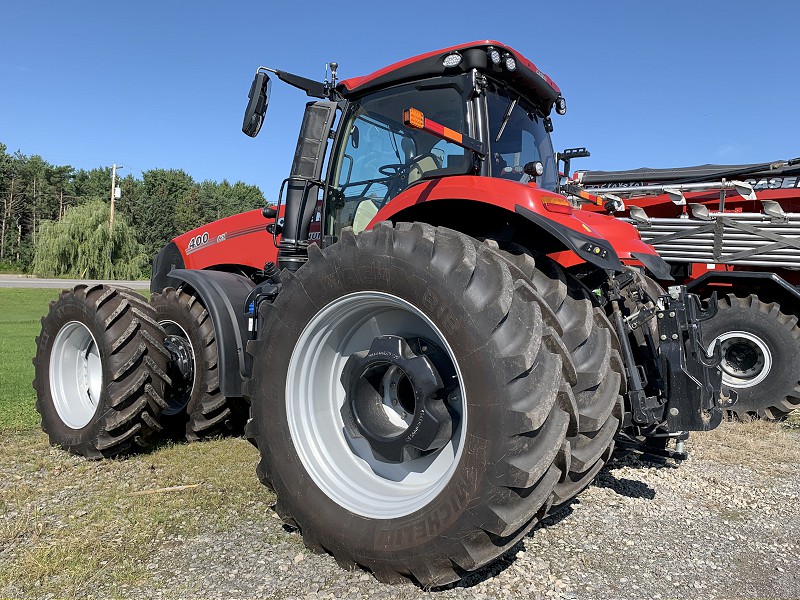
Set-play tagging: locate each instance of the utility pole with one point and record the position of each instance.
(113, 188)
(113, 196)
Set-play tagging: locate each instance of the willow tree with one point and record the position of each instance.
(81, 245)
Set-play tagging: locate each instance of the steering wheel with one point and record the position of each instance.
(394, 169)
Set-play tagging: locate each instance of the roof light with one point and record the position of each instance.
(561, 105)
(452, 60)
(494, 55)
(510, 62)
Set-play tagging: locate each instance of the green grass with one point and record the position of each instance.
(20, 312)
(75, 528)
(70, 527)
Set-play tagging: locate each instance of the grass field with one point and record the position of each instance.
(73, 522)
(20, 312)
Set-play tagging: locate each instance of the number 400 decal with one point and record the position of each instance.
(198, 240)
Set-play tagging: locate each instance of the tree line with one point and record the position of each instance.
(54, 219)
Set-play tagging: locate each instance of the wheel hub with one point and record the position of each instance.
(746, 359)
(180, 367)
(395, 399)
(338, 458)
(76, 374)
(742, 357)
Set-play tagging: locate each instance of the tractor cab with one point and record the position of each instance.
(486, 110)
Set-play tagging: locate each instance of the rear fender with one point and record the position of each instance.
(224, 296)
(510, 196)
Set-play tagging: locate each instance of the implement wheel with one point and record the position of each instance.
(100, 371)
(760, 356)
(410, 403)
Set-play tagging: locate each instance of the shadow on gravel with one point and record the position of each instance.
(625, 487)
(629, 488)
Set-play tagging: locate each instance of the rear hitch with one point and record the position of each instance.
(692, 376)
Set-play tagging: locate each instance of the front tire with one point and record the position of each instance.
(196, 407)
(760, 356)
(430, 515)
(100, 371)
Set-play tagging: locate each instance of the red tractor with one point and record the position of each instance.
(422, 377)
(734, 230)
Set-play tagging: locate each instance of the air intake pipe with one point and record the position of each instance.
(304, 184)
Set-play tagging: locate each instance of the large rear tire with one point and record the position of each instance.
(760, 356)
(196, 408)
(439, 296)
(100, 371)
(599, 379)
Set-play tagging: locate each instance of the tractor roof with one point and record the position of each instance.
(527, 78)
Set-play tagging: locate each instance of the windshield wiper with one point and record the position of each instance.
(506, 118)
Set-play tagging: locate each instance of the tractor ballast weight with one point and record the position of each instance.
(435, 347)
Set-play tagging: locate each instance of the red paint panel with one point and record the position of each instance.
(355, 82)
(237, 240)
(624, 237)
(499, 192)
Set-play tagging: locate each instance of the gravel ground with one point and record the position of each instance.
(724, 524)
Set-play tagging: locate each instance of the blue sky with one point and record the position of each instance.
(164, 84)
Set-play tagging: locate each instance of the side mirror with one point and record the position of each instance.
(257, 106)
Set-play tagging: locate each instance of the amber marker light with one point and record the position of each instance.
(415, 118)
(557, 204)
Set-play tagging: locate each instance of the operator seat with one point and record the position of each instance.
(366, 211)
(422, 166)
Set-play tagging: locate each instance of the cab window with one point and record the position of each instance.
(517, 136)
(380, 157)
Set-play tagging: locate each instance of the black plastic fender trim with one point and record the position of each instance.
(655, 264)
(581, 244)
(224, 295)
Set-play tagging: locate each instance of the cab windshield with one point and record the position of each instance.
(517, 136)
(381, 157)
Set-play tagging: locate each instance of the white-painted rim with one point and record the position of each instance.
(76, 375)
(340, 464)
(748, 377)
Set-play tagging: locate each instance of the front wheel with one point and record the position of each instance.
(409, 403)
(196, 408)
(100, 370)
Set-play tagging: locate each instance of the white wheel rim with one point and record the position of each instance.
(341, 465)
(76, 375)
(746, 359)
